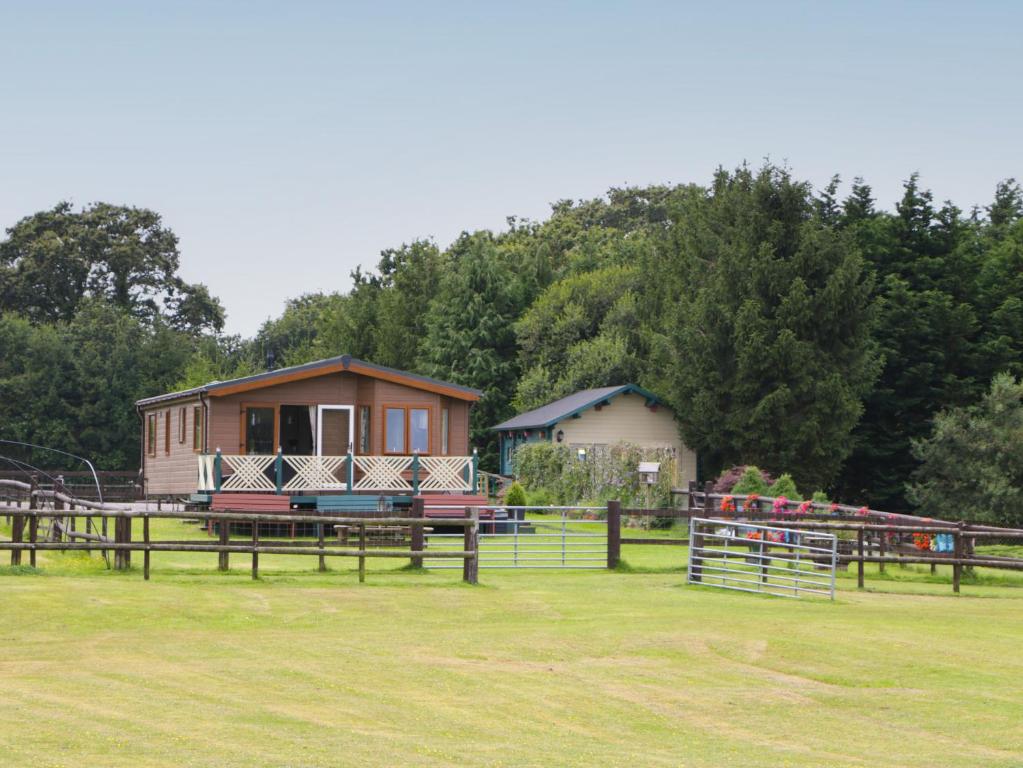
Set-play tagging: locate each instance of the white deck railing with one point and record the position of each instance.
(308, 474)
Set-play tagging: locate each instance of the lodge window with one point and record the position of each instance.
(364, 423)
(406, 430)
(197, 428)
(166, 431)
(260, 427)
(182, 424)
(444, 422)
(151, 434)
(394, 430)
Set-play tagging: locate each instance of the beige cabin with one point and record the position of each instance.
(594, 419)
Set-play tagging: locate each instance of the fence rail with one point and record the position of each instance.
(26, 522)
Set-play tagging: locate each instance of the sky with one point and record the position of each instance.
(286, 143)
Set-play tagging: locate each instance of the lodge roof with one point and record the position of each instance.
(550, 414)
(320, 368)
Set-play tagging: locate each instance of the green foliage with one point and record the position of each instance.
(469, 338)
(773, 344)
(611, 473)
(540, 464)
(73, 385)
(784, 486)
(789, 328)
(752, 481)
(516, 496)
(53, 261)
(820, 497)
(971, 466)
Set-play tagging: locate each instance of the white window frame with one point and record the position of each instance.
(319, 425)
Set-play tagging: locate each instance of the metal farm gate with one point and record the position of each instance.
(786, 562)
(531, 537)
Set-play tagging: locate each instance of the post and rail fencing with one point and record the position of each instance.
(25, 527)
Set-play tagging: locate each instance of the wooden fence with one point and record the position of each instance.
(878, 537)
(113, 485)
(25, 530)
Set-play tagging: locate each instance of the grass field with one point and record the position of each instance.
(198, 668)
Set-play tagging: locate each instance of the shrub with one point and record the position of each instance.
(784, 486)
(752, 480)
(541, 497)
(728, 479)
(540, 465)
(606, 473)
(516, 496)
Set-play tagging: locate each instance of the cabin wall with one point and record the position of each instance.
(226, 411)
(343, 388)
(176, 471)
(627, 419)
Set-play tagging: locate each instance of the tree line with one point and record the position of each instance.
(805, 331)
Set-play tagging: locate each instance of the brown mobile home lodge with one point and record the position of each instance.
(311, 435)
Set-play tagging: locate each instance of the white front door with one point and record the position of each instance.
(335, 429)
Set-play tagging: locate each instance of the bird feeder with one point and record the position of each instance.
(649, 472)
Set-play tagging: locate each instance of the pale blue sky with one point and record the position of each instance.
(287, 142)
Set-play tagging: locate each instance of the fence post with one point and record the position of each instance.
(320, 542)
(145, 554)
(614, 534)
(127, 540)
(255, 549)
(708, 502)
(350, 479)
(471, 543)
(224, 562)
(279, 471)
(882, 548)
(418, 534)
(33, 536)
(58, 488)
(218, 470)
(119, 539)
(362, 552)
(17, 531)
(859, 564)
(691, 498)
(474, 475)
(957, 567)
(415, 473)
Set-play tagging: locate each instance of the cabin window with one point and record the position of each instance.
(445, 420)
(364, 423)
(166, 432)
(419, 430)
(394, 430)
(259, 430)
(151, 434)
(406, 430)
(182, 424)
(197, 428)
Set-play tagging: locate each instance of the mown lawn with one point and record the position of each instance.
(197, 668)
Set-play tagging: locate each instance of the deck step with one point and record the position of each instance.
(250, 502)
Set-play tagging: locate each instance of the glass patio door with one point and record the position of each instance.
(335, 430)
